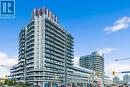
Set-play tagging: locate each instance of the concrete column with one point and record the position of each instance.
(59, 84)
(50, 84)
(76, 84)
(71, 85)
(82, 84)
(43, 84)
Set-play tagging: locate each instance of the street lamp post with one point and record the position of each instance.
(122, 59)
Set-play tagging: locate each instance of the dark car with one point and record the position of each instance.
(121, 86)
(36, 86)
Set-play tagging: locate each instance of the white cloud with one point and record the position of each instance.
(106, 50)
(123, 20)
(7, 62)
(76, 61)
(120, 24)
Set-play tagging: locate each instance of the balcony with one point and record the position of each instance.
(55, 37)
(54, 62)
(19, 76)
(30, 32)
(19, 72)
(30, 57)
(57, 29)
(54, 66)
(40, 75)
(55, 58)
(30, 66)
(30, 52)
(30, 61)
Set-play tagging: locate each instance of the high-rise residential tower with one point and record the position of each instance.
(45, 49)
(46, 54)
(94, 61)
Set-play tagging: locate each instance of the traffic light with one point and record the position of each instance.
(114, 73)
